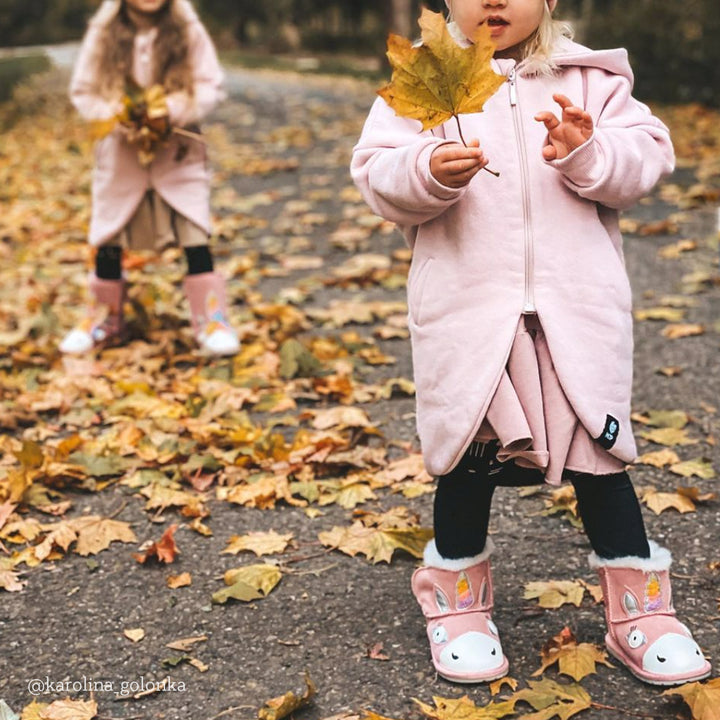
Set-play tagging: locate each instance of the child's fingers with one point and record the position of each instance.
(448, 153)
(459, 167)
(549, 119)
(549, 152)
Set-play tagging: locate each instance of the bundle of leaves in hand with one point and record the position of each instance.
(437, 79)
(145, 117)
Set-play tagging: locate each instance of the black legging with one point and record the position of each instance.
(607, 505)
(108, 261)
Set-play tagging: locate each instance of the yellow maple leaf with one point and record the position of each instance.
(658, 502)
(703, 699)
(438, 79)
(261, 543)
(554, 593)
(252, 582)
(70, 710)
(574, 659)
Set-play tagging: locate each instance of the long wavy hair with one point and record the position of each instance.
(170, 51)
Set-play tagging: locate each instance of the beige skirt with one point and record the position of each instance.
(156, 226)
(532, 419)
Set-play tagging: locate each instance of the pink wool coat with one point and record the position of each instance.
(543, 237)
(119, 181)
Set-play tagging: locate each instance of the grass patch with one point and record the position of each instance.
(14, 70)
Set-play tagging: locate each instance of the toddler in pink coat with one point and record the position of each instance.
(145, 43)
(519, 309)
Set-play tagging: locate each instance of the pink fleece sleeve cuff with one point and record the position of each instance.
(581, 165)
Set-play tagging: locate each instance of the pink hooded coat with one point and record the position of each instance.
(543, 237)
(119, 181)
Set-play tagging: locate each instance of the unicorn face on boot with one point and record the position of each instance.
(643, 632)
(456, 599)
(663, 652)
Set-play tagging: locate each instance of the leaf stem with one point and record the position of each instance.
(486, 168)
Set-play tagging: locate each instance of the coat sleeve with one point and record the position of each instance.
(629, 151)
(84, 93)
(208, 79)
(391, 168)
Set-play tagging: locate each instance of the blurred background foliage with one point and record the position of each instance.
(673, 45)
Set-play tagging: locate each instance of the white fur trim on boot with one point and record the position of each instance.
(660, 559)
(432, 558)
(221, 341)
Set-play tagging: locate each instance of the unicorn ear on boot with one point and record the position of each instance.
(643, 632)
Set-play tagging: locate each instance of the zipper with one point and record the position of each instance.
(529, 303)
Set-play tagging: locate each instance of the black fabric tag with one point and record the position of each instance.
(610, 432)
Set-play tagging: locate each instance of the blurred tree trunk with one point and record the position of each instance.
(401, 17)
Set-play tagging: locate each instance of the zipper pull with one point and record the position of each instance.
(513, 88)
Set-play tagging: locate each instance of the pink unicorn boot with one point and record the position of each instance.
(208, 311)
(456, 597)
(643, 632)
(103, 322)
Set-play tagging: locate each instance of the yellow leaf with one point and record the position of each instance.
(659, 458)
(676, 331)
(701, 467)
(658, 502)
(552, 699)
(555, 593)
(134, 634)
(703, 699)
(497, 686)
(70, 710)
(378, 545)
(668, 436)
(438, 79)
(463, 709)
(282, 706)
(673, 251)
(252, 582)
(261, 543)
(663, 418)
(575, 660)
(660, 313)
(178, 581)
(186, 644)
(33, 710)
(95, 534)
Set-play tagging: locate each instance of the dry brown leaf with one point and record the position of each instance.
(497, 685)
(703, 699)
(134, 634)
(178, 581)
(164, 550)
(248, 583)
(69, 710)
(680, 330)
(186, 644)
(659, 502)
(553, 594)
(261, 543)
(668, 436)
(574, 659)
(282, 706)
(674, 251)
(700, 467)
(659, 458)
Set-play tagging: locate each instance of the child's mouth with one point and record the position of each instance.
(496, 22)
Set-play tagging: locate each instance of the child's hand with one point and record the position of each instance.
(567, 134)
(455, 165)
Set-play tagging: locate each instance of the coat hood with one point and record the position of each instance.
(615, 60)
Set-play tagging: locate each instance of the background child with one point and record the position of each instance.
(148, 42)
(521, 325)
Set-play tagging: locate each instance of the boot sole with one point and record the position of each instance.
(652, 681)
(501, 673)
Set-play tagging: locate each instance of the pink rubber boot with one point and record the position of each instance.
(643, 632)
(456, 597)
(208, 311)
(103, 323)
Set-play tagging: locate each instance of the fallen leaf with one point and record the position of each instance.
(577, 660)
(552, 699)
(497, 685)
(700, 467)
(164, 550)
(680, 330)
(555, 593)
(668, 436)
(464, 709)
(186, 644)
(178, 581)
(663, 418)
(134, 634)
(252, 582)
(69, 710)
(375, 652)
(282, 706)
(658, 458)
(673, 251)
(659, 502)
(703, 699)
(660, 313)
(261, 543)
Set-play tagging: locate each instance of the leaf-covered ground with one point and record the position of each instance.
(229, 525)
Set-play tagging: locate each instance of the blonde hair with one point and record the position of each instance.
(171, 63)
